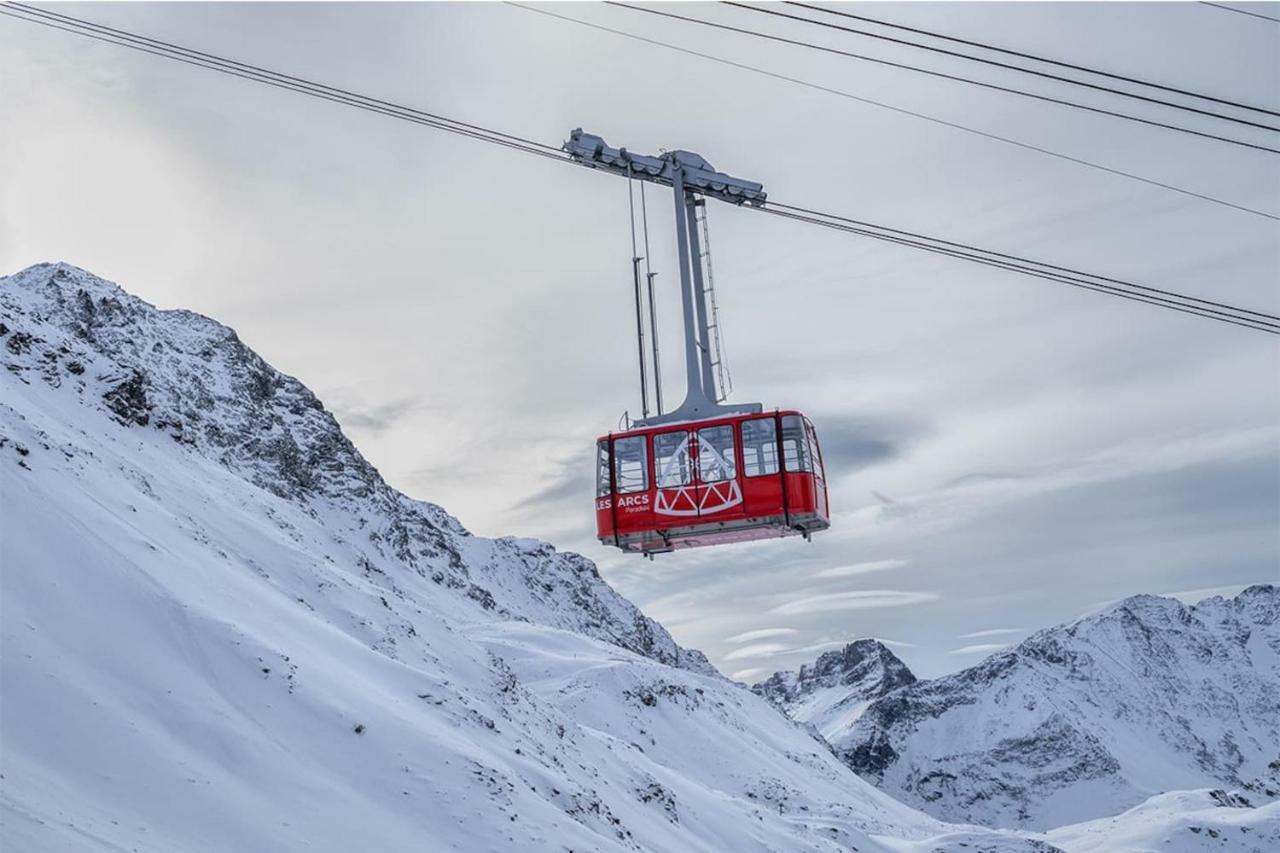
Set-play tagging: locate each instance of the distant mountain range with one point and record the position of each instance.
(1075, 723)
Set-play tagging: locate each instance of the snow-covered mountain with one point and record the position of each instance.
(834, 691)
(1085, 720)
(1180, 822)
(221, 630)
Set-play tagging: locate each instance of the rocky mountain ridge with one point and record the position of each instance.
(192, 379)
(1082, 720)
(833, 691)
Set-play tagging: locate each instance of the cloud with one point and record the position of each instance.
(1168, 454)
(745, 674)
(850, 443)
(978, 477)
(1186, 596)
(1194, 596)
(979, 649)
(572, 485)
(870, 599)
(757, 650)
(841, 643)
(372, 419)
(771, 650)
(992, 632)
(761, 634)
(861, 568)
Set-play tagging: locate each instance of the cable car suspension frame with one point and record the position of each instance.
(692, 179)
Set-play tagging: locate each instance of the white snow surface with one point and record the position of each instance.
(220, 630)
(1179, 822)
(1182, 821)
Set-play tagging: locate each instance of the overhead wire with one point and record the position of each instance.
(1227, 8)
(1002, 65)
(894, 108)
(1110, 286)
(189, 56)
(949, 245)
(968, 247)
(1031, 56)
(1236, 319)
(945, 76)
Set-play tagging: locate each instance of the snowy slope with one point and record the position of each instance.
(1088, 719)
(834, 691)
(1205, 821)
(220, 630)
(1183, 821)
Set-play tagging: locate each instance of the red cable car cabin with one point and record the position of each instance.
(709, 482)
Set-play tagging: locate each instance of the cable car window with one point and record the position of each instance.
(795, 450)
(716, 458)
(602, 469)
(814, 452)
(671, 459)
(760, 447)
(631, 464)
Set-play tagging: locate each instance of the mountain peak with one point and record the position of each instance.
(187, 376)
(82, 347)
(833, 690)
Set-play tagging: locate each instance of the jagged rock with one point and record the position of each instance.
(834, 690)
(128, 401)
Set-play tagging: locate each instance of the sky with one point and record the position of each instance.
(1004, 453)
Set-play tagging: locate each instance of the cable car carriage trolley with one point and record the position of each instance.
(707, 472)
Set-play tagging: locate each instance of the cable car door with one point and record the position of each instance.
(675, 492)
(719, 490)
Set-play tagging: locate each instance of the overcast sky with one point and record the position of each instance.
(1004, 453)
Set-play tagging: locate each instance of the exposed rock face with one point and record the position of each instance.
(1087, 719)
(193, 379)
(838, 686)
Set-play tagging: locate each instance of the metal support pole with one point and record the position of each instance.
(693, 375)
(644, 383)
(700, 299)
(635, 278)
(653, 341)
(653, 310)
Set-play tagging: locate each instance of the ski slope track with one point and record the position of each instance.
(220, 629)
(1088, 719)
